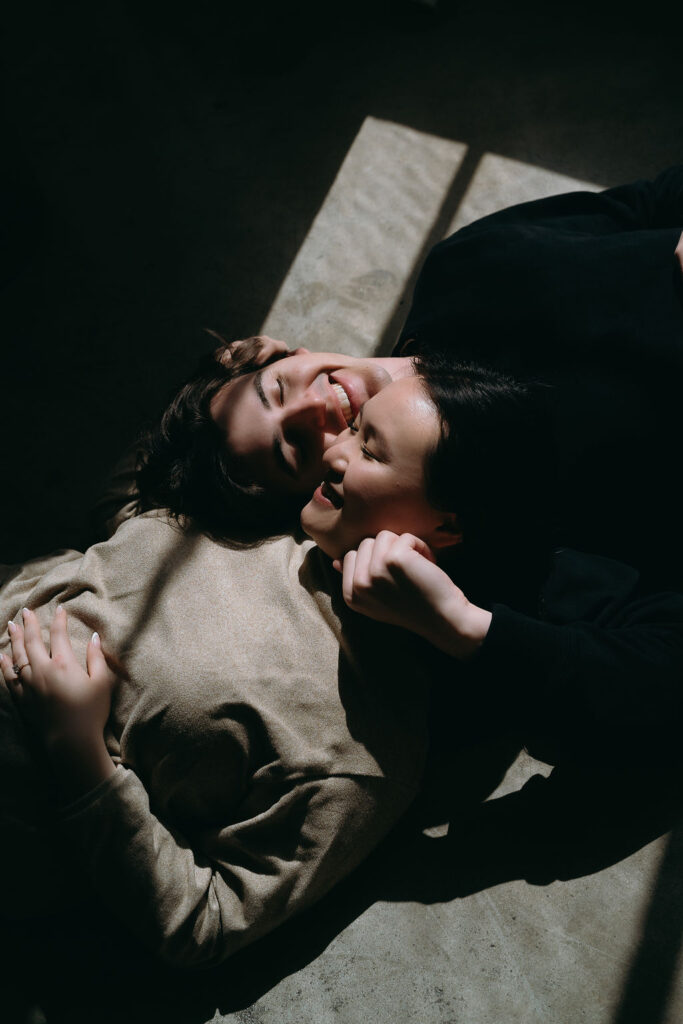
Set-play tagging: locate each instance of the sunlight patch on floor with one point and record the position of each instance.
(397, 192)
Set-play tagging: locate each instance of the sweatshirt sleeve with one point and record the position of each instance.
(117, 501)
(603, 655)
(196, 902)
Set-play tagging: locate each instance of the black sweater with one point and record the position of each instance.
(583, 291)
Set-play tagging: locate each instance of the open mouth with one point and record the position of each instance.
(344, 402)
(328, 492)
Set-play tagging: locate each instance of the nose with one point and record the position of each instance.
(336, 456)
(307, 410)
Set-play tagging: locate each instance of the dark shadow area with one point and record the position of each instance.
(567, 825)
(570, 824)
(164, 166)
(66, 964)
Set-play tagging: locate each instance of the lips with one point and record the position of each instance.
(328, 492)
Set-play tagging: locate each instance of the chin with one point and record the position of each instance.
(305, 520)
(323, 542)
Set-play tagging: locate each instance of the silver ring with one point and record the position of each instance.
(18, 669)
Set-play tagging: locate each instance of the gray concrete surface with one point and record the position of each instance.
(290, 168)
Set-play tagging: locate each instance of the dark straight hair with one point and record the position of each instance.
(494, 466)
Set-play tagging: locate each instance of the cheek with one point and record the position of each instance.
(401, 513)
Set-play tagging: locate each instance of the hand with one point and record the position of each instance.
(270, 347)
(64, 704)
(396, 580)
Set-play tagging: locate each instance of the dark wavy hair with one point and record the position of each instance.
(185, 466)
(494, 467)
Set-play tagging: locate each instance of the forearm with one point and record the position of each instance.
(79, 765)
(148, 877)
(585, 676)
(194, 902)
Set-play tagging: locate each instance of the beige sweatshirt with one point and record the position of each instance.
(266, 738)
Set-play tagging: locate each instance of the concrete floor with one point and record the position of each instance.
(273, 167)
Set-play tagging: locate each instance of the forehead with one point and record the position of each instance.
(234, 402)
(404, 416)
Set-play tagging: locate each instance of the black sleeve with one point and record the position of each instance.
(497, 256)
(643, 204)
(603, 659)
(650, 204)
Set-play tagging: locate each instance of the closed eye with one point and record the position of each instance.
(354, 428)
(281, 388)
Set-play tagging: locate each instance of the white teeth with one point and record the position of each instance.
(343, 401)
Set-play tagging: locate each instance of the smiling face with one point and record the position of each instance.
(375, 475)
(279, 420)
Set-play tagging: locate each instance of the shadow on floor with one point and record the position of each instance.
(562, 827)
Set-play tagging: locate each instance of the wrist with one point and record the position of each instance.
(80, 763)
(465, 627)
(475, 629)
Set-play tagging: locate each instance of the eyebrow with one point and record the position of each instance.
(258, 384)
(278, 453)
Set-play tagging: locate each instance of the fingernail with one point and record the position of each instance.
(95, 639)
(11, 627)
(25, 611)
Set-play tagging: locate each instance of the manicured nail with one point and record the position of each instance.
(11, 626)
(25, 611)
(95, 639)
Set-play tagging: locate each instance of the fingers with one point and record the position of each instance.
(60, 645)
(21, 663)
(409, 542)
(36, 652)
(384, 542)
(363, 559)
(9, 675)
(348, 570)
(366, 566)
(29, 658)
(98, 670)
(371, 574)
(16, 664)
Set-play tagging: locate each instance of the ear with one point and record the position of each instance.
(446, 534)
(270, 347)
